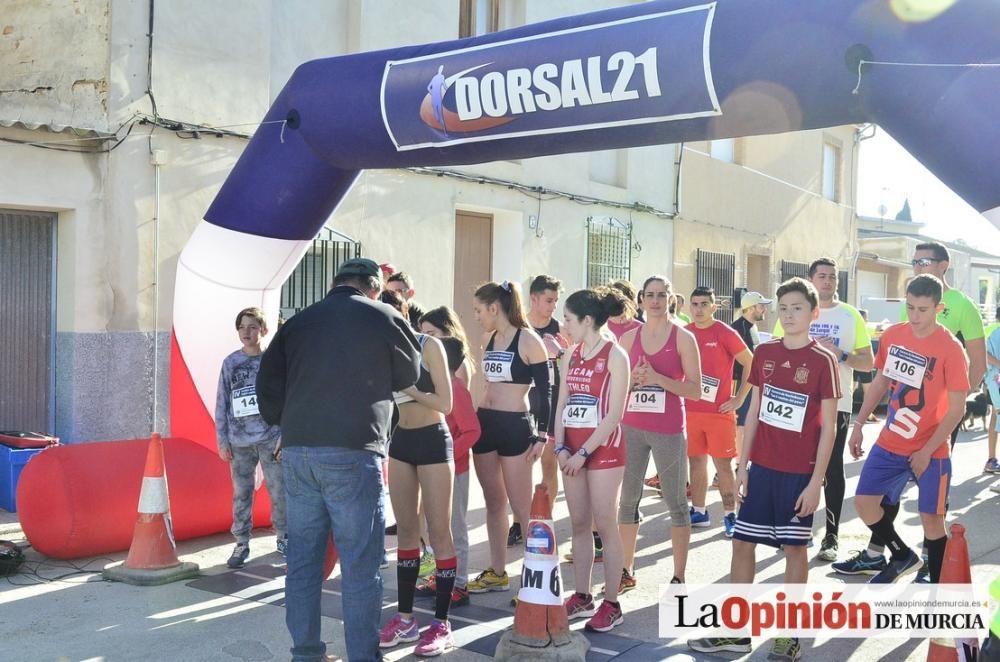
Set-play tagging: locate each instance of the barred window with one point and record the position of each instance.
(313, 276)
(609, 250)
(717, 270)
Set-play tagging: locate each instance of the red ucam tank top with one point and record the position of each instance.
(587, 398)
(651, 408)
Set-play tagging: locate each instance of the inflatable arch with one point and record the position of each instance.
(656, 72)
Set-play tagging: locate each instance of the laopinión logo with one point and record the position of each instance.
(570, 80)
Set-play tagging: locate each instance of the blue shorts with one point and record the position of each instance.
(767, 515)
(886, 474)
(741, 413)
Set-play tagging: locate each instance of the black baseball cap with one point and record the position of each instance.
(360, 266)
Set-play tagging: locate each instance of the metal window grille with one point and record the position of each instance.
(311, 279)
(609, 250)
(801, 269)
(718, 270)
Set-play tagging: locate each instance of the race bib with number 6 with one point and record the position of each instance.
(648, 400)
(709, 388)
(581, 411)
(782, 409)
(905, 366)
(496, 366)
(245, 402)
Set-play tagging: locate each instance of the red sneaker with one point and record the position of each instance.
(607, 617)
(653, 481)
(579, 606)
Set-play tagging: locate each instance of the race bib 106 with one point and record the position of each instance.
(581, 411)
(648, 400)
(496, 366)
(905, 366)
(782, 409)
(709, 388)
(245, 402)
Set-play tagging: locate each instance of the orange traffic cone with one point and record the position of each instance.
(541, 627)
(955, 569)
(152, 558)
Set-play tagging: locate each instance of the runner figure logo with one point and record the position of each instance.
(801, 375)
(768, 368)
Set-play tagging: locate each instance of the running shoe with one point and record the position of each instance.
(625, 584)
(459, 597)
(729, 521)
(992, 466)
(924, 574)
(239, 556)
(721, 645)
(282, 545)
(390, 530)
(514, 536)
(397, 631)
(489, 580)
(598, 555)
(861, 564)
(607, 617)
(828, 549)
(579, 606)
(896, 570)
(786, 649)
(427, 564)
(435, 640)
(653, 481)
(426, 588)
(700, 520)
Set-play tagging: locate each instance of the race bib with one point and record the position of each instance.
(496, 366)
(648, 400)
(905, 366)
(581, 411)
(245, 402)
(709, 388)
(782, 409)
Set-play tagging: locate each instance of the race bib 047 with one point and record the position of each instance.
(581, 411)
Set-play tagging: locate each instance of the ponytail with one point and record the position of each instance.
(508, 295)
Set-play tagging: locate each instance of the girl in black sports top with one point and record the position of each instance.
(514, 359)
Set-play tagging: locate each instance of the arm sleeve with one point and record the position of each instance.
(405, 354)
(271, 381)
(862, 338)
(465, 429)
(222, 404)
(542, 406)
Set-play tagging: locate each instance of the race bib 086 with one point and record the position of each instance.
(496, 366)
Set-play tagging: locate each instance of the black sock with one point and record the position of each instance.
(445, 583)
(887, 534)
(598, 543)
(407, 571)
(891, 510)
(935, 556)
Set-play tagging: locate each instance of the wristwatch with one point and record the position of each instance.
(583, 453)
(560, 448)
(844, 356)
(539, 439)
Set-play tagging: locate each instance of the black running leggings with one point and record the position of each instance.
(833, 490)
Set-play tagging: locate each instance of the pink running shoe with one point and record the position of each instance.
(397, 631)
(435, 640)
(607, 617)
(579, 606)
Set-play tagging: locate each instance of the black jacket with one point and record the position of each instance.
(327, 377)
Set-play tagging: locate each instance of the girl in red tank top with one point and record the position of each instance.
(589, 446)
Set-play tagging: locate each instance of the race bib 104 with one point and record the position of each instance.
(496, 366)
(648, 400)
(709, 388)
(905, 366)
(245, 402)
(782, 409)
(581, 411)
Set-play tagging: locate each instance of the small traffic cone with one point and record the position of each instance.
(955, 569)
(152, 557)
(541, 627)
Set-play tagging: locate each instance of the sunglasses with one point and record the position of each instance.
(924, 261)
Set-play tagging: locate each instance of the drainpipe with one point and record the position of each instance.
(157, 157)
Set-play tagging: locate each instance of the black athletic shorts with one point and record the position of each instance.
(418, 446)
(864, 376)
(509, 433)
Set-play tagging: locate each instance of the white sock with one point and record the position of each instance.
(874, 551)
(700, 510)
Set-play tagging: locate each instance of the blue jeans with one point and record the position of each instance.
(331, 488)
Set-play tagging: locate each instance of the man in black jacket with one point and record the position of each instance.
(327, 379)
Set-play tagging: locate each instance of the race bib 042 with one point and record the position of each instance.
(782, 409)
